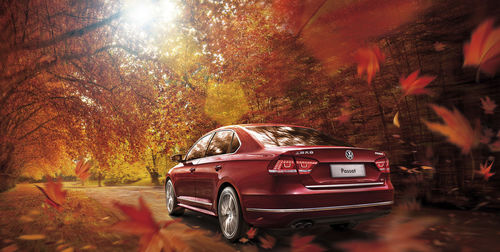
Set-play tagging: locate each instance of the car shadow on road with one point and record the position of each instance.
(324, 235)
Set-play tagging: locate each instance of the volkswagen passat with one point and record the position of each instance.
(274, 175)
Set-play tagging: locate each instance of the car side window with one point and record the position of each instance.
(220, 143)
(199, 148)
(235, 144)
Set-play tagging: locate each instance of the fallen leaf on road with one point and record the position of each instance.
(54, 195)
(32, 237)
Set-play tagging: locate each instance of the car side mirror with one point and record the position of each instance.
(177, 158)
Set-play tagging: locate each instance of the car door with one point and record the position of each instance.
(185, 181)
(207, 171)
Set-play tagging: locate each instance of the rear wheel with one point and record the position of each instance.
(231, 220)
(172, 207)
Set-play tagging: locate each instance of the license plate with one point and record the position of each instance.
(347, 170)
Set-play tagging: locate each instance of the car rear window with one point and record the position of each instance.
(271, 136)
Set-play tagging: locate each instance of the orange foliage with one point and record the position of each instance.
(415, 85)
(483, 50)
(332, 30)
(484, 170)
(457, 128)
(369, 60)
(54, 195)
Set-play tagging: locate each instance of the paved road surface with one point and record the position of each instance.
(456, 230)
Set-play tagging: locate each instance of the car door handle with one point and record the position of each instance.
(192, 170)
(218, 167)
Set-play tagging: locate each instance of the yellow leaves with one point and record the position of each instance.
(395, 121)
(415, 85)
(32, 237)
(483, 50)
(369, 60)
(456, 128)
(488, 105)
(226, 102)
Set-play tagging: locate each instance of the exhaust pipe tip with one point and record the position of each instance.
(302, 224)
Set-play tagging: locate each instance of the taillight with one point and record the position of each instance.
(304, 166)
(289, 165)
(383, 165)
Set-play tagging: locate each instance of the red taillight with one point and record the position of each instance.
(383, 165)
(289, 165)
(304, 166)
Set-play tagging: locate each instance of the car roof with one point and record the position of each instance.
(261, 124)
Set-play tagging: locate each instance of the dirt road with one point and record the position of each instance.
(454, 230)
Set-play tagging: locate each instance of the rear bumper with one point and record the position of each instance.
(317, 206)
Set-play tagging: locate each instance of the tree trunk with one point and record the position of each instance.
(99, 177)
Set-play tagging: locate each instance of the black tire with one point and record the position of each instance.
(344, 226)
(231, 221)
(171, 200)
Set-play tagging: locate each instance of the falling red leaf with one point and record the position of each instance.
(415, 85)
(303, 244)
(484, 170)
(267, 241)
(141, 222)
(486, 136)
(251, 233)
(369, 60)
(82, 170)
(438, 46)
(483, 50)
(54, 195)
(457, 128)
(488, 105)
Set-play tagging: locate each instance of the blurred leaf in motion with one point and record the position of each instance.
(485, 170)
(303, 244)
(456, 128)
(439, 47)
(369, 60)
(82, 170)
(488, 105)
(415, 85)
(140, 222)
(32, 237)
(483, 49)
(267, 241)
(395, 121)
(486, 136)
(251, 233)
(54, 195)
(400, 235)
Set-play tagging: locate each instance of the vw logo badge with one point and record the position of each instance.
(349, 155)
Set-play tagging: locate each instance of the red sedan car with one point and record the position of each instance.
(274, 175)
